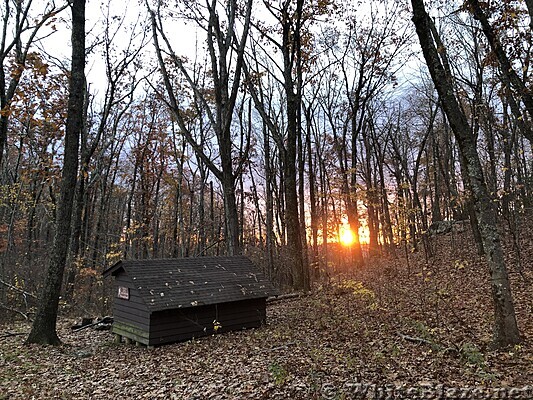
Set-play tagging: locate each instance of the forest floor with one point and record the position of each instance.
(393, 325)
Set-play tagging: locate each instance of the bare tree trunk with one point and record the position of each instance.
(314, 268)
(436, 214)
(241, 210)
(371, 202)
(301, 202)
(177, 228)
(352, 202)
(324, 213)
(349, 182)
(269, 202)
(388, 236)
(44, 326)
(260, 219)
(508, 140)
(290, 48)
(202, 239)
(506, 328)
(214, 234)
(156, 221)
(129, 213)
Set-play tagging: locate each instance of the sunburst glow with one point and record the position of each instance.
(346, 236)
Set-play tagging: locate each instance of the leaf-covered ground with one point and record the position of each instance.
(395, 322)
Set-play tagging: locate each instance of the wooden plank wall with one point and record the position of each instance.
(132, 318)
(177, 325)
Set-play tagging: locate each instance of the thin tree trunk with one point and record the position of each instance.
(214, 234)
(388, 236)
(202, 240)
(373, 223)
(312, 198)
(241, 210)
(156, 221)
(269, 202)
(352, 202)
(258, 241)
(301, 203)
(508, 140)
(436, 214)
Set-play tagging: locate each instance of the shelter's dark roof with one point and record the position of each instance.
(188, 282)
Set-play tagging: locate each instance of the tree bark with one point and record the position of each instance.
(44, 326)
(270, 237)
(370, 195)
(506, 328)
(314, 267)
(291, 44)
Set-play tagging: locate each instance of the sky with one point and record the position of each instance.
(128, 13)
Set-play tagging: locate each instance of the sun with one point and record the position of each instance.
(347, 237)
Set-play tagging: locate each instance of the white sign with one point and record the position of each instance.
(123, 293)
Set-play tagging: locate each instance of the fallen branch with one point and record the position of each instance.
(284, 346)
(287, 296)
(105, 320)
(9, 334)
(420, 340)
(25, 315)
(414, 339)
(16, 289)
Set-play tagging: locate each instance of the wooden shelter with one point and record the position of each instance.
(169, 300)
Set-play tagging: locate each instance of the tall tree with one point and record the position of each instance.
(292, 61)
(289, 17)
(226, 52)
(506, 328)
(44, 326)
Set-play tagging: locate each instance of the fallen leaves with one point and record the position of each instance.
(420, 331)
